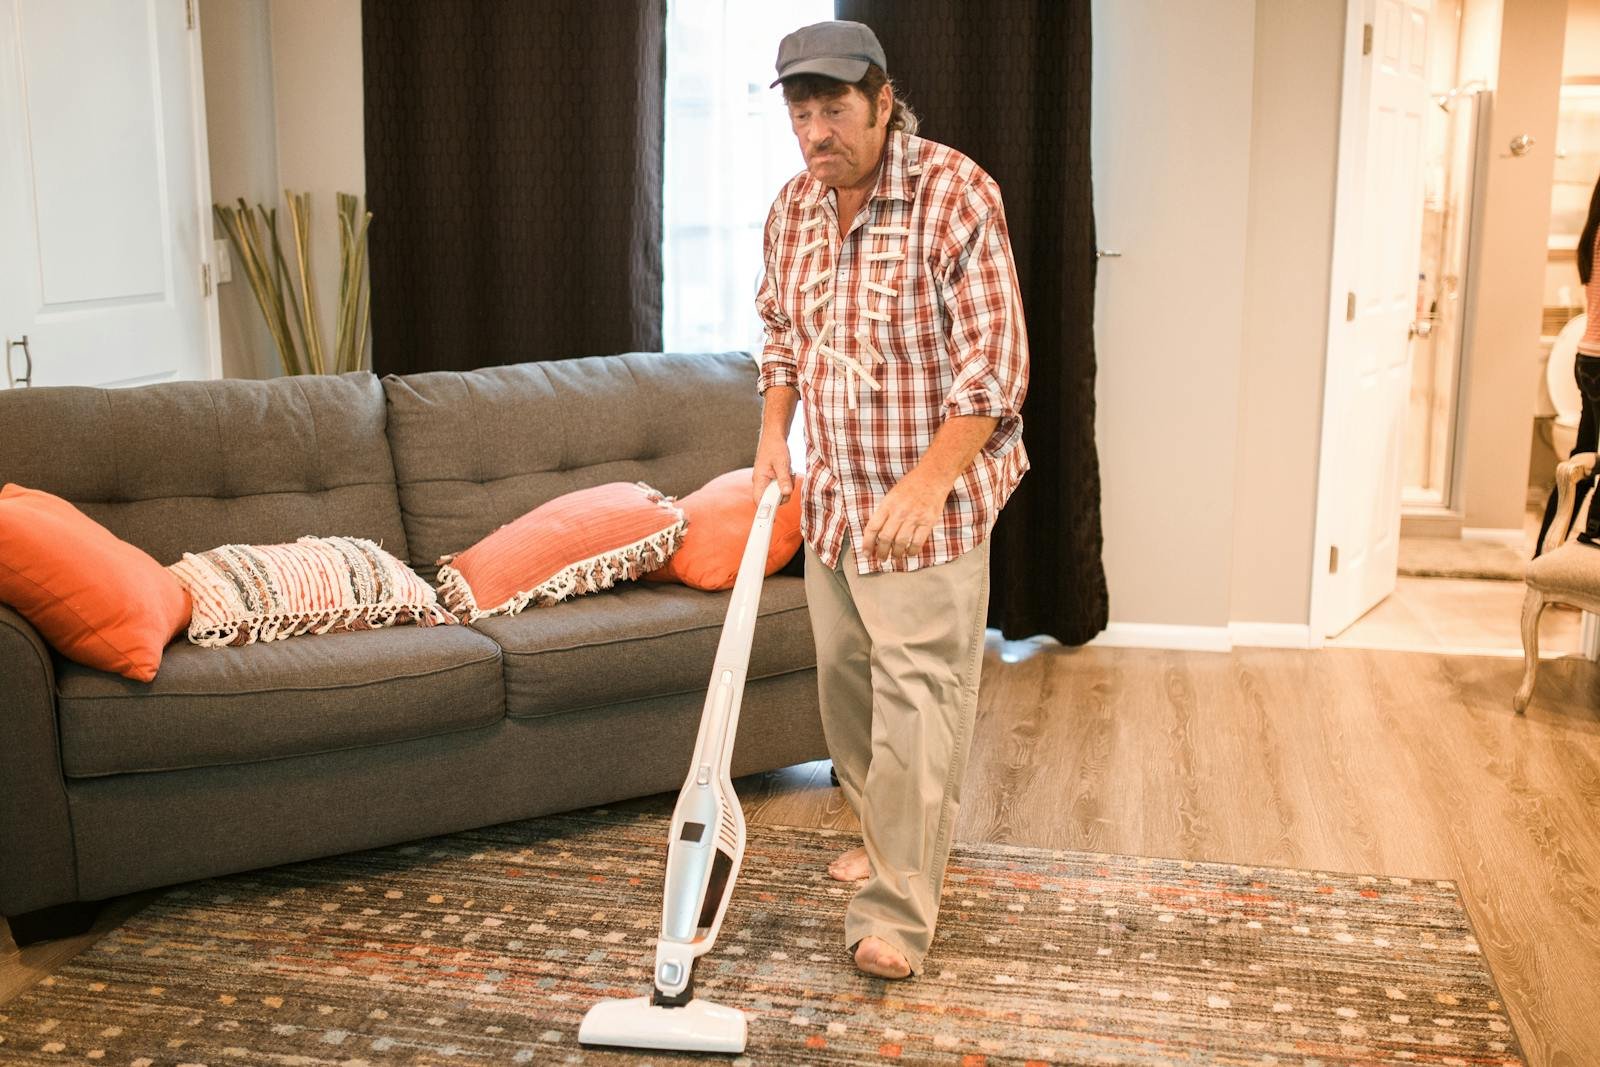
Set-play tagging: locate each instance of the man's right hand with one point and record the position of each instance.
(772, 464)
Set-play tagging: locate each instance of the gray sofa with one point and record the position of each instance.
(247, 757)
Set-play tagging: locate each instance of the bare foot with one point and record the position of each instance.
(851, 867)
(877, 957)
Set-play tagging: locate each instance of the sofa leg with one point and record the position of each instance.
(53, 923)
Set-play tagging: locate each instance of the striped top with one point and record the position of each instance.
(1590, 345)
(912, 318)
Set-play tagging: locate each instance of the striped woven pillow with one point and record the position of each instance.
(577, 543)
(245, 593)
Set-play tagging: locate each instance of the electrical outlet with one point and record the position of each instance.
(224, 261)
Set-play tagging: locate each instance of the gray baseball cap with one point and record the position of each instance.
(839, 50)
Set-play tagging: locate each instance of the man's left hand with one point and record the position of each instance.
(905, 519)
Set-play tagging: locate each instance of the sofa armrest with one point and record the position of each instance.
(38, 864)
(1568, 474)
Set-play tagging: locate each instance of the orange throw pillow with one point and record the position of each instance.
(94, 597)
(574, 544)
(720, 514)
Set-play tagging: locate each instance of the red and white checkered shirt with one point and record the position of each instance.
(912, 318)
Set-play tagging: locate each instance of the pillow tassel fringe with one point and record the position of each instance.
(280, 627)
(586, 576)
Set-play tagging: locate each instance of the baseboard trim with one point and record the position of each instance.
(1507, 536)
(1271, 635)
(1161, 635)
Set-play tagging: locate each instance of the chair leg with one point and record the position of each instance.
(1533, 605)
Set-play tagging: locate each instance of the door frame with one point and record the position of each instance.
(1346, 204)
(204, 220)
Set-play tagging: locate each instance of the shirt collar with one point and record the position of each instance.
(895, 176)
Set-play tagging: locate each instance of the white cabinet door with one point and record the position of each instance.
(104, 189)
(1377, 250)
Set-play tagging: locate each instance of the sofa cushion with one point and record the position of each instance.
(211, 707)
(640, 641)
(475, 450)
(187, 466)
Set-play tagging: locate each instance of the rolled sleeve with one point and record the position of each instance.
(779, 365)
(988, 335)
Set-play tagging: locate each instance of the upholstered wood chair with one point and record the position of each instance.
(1566, 571)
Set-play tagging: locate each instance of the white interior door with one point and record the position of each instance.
(1377, 248)
(104, 219)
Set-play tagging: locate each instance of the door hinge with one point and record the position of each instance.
(1333, 559)
(1366, 38)
(188, 7)
(205, 279)
(1349, 307)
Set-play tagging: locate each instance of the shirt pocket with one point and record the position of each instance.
(913, 333)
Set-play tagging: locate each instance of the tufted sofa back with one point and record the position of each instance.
(187, 466)
(474, 450)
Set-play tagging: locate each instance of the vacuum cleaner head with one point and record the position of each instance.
(704, 850)
(698, 1026)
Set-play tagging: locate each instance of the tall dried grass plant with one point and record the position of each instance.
(291, 316)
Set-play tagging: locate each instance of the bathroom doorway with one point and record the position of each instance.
(1458, 564)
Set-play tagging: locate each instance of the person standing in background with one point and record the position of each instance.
(1586, 368)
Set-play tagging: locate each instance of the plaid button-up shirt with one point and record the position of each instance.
(913, 317)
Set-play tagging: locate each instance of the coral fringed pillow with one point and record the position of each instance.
(720, 514)
(94, 597)
(317, 585)
(575, 544)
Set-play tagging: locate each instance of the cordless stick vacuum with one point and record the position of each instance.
(704, 848)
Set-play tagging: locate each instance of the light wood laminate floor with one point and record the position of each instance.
(1350, 760)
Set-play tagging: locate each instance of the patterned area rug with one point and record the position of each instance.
(488, 947)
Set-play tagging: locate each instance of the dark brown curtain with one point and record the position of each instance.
(1007, 83)
(514, 177)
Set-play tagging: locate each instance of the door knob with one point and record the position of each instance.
(27, 362)
(1106, 253)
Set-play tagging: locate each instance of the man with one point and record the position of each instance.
(891, 306)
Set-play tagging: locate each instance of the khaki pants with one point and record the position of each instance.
(898, 657)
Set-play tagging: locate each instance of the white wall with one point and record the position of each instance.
(1581, 53)
(1171, 155)
(1215, 129)
(318, 99)
(1507, 287)
(284, 109)
(1293, 167)
(237, 56)
(1215, 146)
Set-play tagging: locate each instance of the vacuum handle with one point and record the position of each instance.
(733, 651)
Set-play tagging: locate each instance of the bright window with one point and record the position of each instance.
(728, 151)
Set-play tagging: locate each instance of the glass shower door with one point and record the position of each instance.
(1432, 474)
